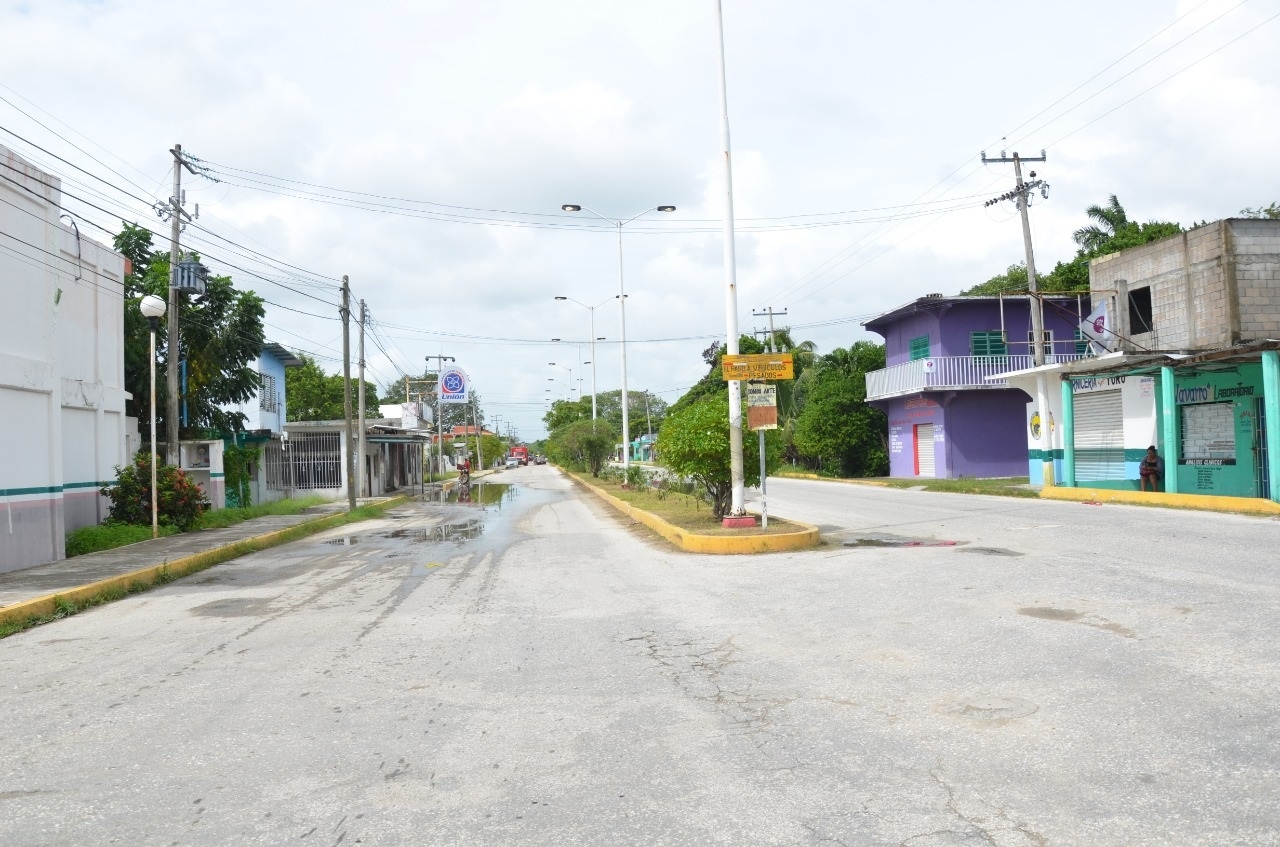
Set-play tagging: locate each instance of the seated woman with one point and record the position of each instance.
(1151, 470)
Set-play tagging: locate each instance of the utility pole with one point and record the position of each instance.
(360, 451)
(475, 418)
(176, 214)
(440, 360)
(346, 392)
(773, 337)
(1020, 193)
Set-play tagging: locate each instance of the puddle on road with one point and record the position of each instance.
(344, 541)
(459, 531)
(990, 551)
(897, 541)
(1049, 613)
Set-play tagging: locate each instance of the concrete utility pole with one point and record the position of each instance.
(773, 337)
(360, 451)
(176, 214)
(1020, 193)
(346, 392)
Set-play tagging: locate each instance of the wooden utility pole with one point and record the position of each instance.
(773, 338)
(346, 393)
(360, 441)
(173, 345)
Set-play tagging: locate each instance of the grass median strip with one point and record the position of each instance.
(23, 616)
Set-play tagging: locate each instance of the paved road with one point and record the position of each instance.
(536, 673)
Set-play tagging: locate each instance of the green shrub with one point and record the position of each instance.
(91, 539)
(181, 500)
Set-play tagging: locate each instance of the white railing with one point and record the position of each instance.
(944, 373)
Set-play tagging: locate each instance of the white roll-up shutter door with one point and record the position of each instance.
(924, 449)
(1099, 436)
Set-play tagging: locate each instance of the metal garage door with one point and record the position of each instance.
(1099, 436)
(924, 450)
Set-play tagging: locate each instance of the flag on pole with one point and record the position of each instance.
(1096, 329)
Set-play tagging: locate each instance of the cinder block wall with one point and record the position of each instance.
(1211, 287)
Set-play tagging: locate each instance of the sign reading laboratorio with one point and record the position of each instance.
(1211, 393)
(455, 386)
(762, 406)
(757, 366)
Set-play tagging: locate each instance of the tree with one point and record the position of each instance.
(222, 335)
(837, 427)
(1271, 212)
(1109, 219)
(313, 395)
(694, 443)
(583, 444)
(565, 412)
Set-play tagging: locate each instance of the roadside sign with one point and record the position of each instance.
(757, 366)
(762, 406)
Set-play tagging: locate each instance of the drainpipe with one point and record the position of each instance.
(1068, 435)
(1169, 428)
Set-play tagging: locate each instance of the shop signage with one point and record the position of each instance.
(1211, 393)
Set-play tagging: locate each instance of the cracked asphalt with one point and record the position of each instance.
(533, 671)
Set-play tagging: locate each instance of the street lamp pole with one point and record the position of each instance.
(153, 309)
(594, 339)
(622, 322)
(738, 500)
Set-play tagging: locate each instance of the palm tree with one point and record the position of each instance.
(1110, 219)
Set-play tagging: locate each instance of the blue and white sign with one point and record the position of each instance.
(454, 386)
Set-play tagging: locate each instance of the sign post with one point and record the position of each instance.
(762, 414)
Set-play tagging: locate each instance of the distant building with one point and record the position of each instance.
(947, 418)
(265, 415)
(61, 370)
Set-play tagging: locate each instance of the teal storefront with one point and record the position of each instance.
(1221, 422)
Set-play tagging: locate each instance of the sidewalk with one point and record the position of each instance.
(30, 591)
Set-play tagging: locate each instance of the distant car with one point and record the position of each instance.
(539, 460)
(513, 462)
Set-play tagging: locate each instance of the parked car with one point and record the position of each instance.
(513, 462)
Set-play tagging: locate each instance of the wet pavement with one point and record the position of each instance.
(524, 669)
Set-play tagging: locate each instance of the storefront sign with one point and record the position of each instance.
(1211, 393)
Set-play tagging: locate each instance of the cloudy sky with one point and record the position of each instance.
(425, 148)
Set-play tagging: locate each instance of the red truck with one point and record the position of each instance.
(521, 453)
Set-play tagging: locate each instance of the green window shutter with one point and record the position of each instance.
(920, 347)
(987, 343)
(1082, 343)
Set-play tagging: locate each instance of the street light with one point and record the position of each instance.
(153, 309)
(594, 339)
(622, 315)
(569, 383)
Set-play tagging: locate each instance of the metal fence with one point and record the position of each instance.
(939, 373)
(310, 460)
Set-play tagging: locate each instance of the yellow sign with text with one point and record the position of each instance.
(757, 366)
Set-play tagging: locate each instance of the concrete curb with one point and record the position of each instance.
(176, 568)
(1204, 502)
(718, 544)
(790, 475)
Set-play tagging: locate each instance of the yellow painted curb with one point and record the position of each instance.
(185, 566)
(720, 544)
(1206, 502)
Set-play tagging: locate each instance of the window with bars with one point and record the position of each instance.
(267, 393)
(987, 344)
(920, 347)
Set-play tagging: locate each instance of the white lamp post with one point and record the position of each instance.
(594, 339)
(569, 379)
(153, 309)
(622, 316)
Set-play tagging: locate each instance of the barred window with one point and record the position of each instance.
(267, 394)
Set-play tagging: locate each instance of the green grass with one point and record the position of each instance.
(686, 511)
(91, 539)
(219, 518)
(1012, 486)
(63, 608)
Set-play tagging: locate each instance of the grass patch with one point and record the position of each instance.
(219, 518)
(1012, 486)
(91, 539)
(686, 511)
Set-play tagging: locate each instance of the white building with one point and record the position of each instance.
(61, 369)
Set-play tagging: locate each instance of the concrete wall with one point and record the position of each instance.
(61, 370)
(975, 433)
(1211, 287)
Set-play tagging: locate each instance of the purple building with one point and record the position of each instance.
(946, 419)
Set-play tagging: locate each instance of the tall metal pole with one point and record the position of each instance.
(360, 473)
(346, 393)
(738, 501)
(622, 324)
(593, 362)
(155, 519)
(173, 356)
